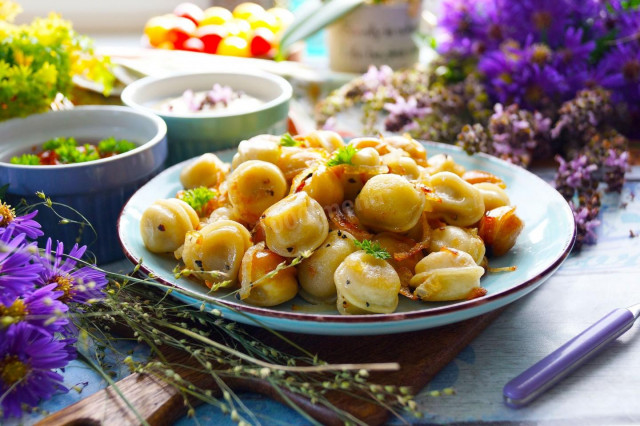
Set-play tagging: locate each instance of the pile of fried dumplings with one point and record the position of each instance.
(357, 224)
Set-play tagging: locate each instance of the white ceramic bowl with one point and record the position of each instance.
(96, 189)
(192, 134)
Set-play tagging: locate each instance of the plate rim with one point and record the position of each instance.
(394, 317)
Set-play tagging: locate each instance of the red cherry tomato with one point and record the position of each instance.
(180, 31)
(262, 41)
(193, 45)
(211, 36)
(189, 11)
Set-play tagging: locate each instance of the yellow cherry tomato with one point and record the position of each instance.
(168, 45)
(156, 29)
(245, 10)
(216, 15)
(263, 20)
(239, 28)
(233, 46)
(284, 17)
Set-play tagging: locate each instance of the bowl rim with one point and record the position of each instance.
(161, 133)
(283, 84)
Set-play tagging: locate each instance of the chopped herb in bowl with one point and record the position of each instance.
(69, 151)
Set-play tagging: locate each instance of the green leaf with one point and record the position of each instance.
(374, 249)
(342, 156)
(198, 198)
(630, 4)
(313, 19)
(3, 190)
(288, 140)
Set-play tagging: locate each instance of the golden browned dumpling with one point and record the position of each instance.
(207, 170)
(224, 212)
(218, 247)
(165, 223)
(412, 147)
(254, 186)
(325, 139)
(321, 183)
(465, 240)
(294, 159)
(366, 285)
(389, 203)
(447, 275)
(315, 273)
(460, 203)
(259, 290)
(499, 228)
(294, 225)
(492, 195)
(366, 157)
(261, 147)
(442, 163)
(401, 164)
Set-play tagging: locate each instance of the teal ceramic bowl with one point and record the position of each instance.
(97, 189)
(193, 134)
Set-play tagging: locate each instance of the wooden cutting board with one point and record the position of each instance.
(420, 354)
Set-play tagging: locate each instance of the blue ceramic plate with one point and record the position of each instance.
(544, 244)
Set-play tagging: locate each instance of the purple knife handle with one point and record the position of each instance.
(555, 366)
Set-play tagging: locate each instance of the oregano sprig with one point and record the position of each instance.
(372, 248)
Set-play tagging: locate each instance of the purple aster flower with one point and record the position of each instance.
(27, 358)
(619, 70)
(82, 285)
(18, 225)
(18, 271)
(470, 27)
(526, 76)
(40, 309)
(546, 20)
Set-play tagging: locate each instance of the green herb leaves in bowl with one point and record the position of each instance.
(69, 151)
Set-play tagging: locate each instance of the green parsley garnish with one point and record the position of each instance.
(69, 154)
(26, 160)
(68, 151)
(288, 140)
(198, 198)
(342, 156)
(57, 143)
(374, 249)
(112, 145)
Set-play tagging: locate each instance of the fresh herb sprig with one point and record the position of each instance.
(198, 198)
(344, 155)
(288, 140)
(374, 249)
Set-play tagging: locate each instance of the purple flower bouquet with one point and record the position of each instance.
(520, 80)
(38, 288)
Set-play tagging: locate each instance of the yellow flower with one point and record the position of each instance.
(9, 10)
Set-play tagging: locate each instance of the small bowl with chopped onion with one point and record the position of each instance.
(88, 160)
(209, 111)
